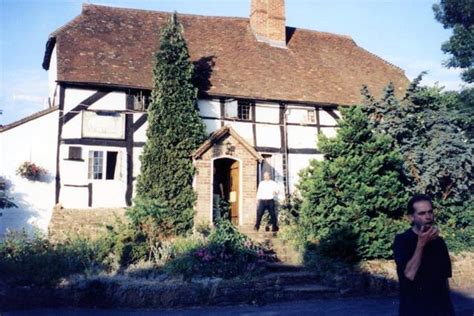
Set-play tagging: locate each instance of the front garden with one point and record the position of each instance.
(350, 207)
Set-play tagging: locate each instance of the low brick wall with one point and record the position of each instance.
(378, 276)
(82, 222)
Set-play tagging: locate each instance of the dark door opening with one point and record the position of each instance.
(111, 165)
(226, 186)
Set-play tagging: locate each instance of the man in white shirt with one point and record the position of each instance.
(267, 191)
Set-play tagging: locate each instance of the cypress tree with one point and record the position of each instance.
(175, 130)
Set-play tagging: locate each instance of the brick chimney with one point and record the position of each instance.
(267, 20)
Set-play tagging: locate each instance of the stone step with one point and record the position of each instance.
(306, 292)
(292, 278)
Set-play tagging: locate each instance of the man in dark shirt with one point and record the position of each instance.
(423, 264)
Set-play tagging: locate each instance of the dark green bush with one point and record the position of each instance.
(124, 244)
(359, 184)
(456, 222)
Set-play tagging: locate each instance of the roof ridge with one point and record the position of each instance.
(383, 60)
(85, 5)
(345, 36)
(65, 26)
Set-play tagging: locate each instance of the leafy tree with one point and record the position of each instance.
(465, 107)
(437, 153)
(458, 15)
(356, 190)
(175, 130)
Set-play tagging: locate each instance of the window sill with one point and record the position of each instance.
(68, 159)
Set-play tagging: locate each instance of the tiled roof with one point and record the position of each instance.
(115, 46)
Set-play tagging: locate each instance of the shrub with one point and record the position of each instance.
(124, 245)
(31, 171)
(25, 260)
(226, 254)
(359, 184)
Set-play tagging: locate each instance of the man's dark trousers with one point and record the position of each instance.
(270, 206)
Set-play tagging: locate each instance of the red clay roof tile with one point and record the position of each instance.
(107, 45)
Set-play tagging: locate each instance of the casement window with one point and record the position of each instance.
(243, 111)
(75, 153)
(311, 116)
(141, 101)
(104, 164)
(238, 110)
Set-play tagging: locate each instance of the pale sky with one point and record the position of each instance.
(403, 32)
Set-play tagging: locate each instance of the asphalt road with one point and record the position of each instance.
(366, 306)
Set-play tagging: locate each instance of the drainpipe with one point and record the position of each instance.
(285, 152)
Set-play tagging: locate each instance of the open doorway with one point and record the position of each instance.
(226, 189)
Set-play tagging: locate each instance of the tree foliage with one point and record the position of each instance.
(175, 130)
(438, 154)
(356, 189)
(458, 15)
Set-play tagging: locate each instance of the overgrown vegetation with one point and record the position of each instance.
(226, 254)
(385, 150)
(437, 153)
(35, 260)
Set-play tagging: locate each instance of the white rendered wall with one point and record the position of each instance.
(74, 97)
(302, 136)
(53, 89)
(297, 162)
(326, 119)
(212, 125)
(140, 134)
(105, 193)
(73, 128)
(113, 101)
(268, 135)
(244, 130)
(267, 112)
(209, 108)
(33, 141)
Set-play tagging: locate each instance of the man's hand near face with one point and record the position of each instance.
(423, 239)
(427, 234)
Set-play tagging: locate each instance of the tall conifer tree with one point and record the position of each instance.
(175, 130)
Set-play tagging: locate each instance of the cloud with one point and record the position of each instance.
(30, 98)
(22, 93)
(437, 73)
